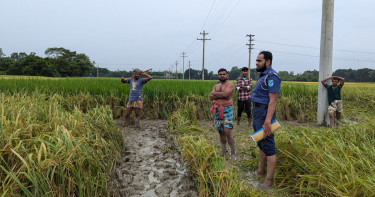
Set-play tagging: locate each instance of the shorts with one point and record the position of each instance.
(135, 104)
(267, 145)
(227, 120)
(336, 105)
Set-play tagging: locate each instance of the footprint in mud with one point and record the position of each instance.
(147, 168)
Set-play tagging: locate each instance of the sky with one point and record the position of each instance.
(124, 34)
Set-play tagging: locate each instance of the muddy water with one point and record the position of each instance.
(150, 165)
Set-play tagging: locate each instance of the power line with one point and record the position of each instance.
(204, 24)
(310, 47)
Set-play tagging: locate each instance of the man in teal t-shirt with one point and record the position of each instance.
(334, 98)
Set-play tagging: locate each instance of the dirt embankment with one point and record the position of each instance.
(151, 165)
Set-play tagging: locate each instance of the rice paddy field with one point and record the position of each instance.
(59, 138)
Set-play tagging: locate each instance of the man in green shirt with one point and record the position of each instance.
(334, 97)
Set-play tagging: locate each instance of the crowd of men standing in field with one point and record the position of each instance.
(260, 107)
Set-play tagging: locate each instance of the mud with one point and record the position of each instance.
(151, 165)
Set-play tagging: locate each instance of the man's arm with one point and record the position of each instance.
(226, 93)
(148, 77)
(123, 80)
(271, 109)
(342, 80)
(324, 81)
(212, 97)
(237, 84)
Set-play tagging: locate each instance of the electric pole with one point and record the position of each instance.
(325, 64)
(183, 64)
(171, 71)
(189, 70)
(203, 39)
(176, 70)
(250, 47)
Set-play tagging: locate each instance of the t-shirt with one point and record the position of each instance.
(333, 93)
(136, 89)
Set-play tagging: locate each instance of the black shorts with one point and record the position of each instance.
(244, 106)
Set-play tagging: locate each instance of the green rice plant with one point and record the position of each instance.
(297, 100)
(48, 150)
(205, 163)
(327, 162)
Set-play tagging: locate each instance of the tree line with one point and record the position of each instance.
(61, 62)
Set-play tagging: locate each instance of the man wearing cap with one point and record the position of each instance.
(244, 86)
(135, 96)
(264, 98)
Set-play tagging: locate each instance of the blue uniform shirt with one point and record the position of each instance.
(268, 82)
(136, 89)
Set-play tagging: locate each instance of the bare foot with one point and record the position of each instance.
(225, 153)
(233, 157)
(259, 174)
(267, 182)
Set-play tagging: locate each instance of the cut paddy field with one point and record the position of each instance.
(46, 121)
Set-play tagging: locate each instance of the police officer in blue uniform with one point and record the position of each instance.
(264, 100)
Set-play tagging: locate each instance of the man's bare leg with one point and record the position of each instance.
(127, 115)
(137, 116)
(223, 141)
(261, 164)
(249, 120)
(271, 165)
(230, 139)
(338, 117)
(331, 119)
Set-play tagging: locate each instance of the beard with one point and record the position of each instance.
(222, 80)
(261, 69)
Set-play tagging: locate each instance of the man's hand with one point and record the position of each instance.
(213, 97)
(267, 129)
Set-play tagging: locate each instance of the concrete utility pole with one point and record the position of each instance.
(204, 39)
(189, 70)
(183, 64)
(250, 47)
(325, 65)
(171, 71)
(176, 70)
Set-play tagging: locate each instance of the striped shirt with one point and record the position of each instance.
(244, 94)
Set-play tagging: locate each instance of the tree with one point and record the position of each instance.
(69, 63)
(1, 53)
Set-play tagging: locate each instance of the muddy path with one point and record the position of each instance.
(150, 164)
